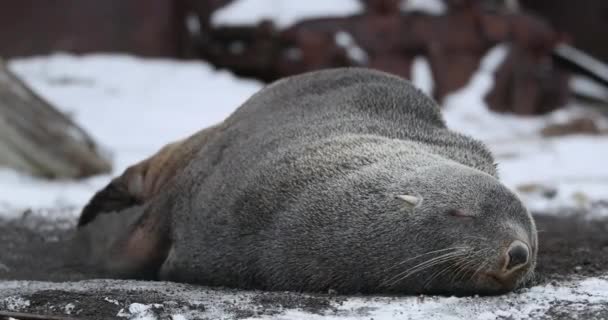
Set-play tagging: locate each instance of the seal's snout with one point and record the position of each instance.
(515, 262)
(516, 256)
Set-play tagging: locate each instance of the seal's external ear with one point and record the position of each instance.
(409, 199)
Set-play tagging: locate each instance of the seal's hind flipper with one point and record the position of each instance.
(135, 186)
(113, 198)
(132, 243)
(124, 230)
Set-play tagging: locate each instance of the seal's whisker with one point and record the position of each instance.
(447, 260)
(398, 264)
(437, 274)
(456, 264)
(423, 254)
(481, 267)
(467, 268)
(425, 265)
(462, 268)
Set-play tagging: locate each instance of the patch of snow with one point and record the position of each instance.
(422, 76)
(112, 301)
(15, 303)
(138, 311)
(355, 53)
(434, 7)
(283, 13)
(69, 308)
(20, 192)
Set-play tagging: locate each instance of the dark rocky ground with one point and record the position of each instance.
(571, 247)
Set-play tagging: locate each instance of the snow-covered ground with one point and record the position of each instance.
(584, 298)
(133, 106)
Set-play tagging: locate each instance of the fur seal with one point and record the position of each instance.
(343, 179)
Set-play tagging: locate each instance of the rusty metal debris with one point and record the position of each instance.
(532, 79)
(386, 38)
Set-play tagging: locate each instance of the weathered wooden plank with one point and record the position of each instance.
(35, 137)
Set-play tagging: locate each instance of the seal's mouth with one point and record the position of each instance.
(489, 283)
(503, 282)
(508, 283)
(510, 269)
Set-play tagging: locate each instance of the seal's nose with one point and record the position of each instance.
(518, 255)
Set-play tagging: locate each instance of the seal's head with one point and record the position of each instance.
(472, 235)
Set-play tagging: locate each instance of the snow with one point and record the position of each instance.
(69, 308)
(527, 304)
(421, 75)
(355, 53)
(112, 301)
(15, 303)
(577, 296)
(284, 13)
(434, 7)
(138, 311)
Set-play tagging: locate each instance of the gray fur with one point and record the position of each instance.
(297, 190)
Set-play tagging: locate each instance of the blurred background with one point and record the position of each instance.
(89, 87)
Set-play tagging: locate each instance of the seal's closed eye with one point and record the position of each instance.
(460, 213)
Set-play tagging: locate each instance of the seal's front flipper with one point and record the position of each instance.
(132, 243)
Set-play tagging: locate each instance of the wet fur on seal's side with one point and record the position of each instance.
(302, 189)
